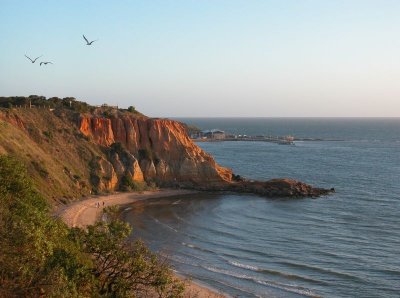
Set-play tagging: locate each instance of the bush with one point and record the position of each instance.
(31, 240)
(48, 134)
(127, 184)
(40, 101)
(122, 268)
(117, 148)
(132, 109)
(41, 257)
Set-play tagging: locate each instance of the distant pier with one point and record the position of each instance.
(220, 136)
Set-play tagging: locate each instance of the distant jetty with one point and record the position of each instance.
(216, 135)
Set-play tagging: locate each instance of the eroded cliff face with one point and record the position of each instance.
(70, 155)
(159, 150)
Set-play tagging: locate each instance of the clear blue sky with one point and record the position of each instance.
(208, 57)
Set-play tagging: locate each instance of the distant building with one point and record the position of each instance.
(196, 135)
(215, 134)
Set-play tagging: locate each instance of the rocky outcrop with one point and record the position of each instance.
(279, 188)
(159, 150)
(163, 151)
(108, 176)
(127, 164)
(275, 188)
(119, 150)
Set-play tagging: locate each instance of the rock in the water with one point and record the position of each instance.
(274, 188)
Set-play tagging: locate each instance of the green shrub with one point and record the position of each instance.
(41, 257)
(128, 184)
(48, 134)
(123, 268)
(30, 238)
(117, 148)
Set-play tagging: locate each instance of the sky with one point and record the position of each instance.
(208, 58)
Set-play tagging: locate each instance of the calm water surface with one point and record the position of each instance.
(343, 245)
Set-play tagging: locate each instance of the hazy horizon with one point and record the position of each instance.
(208, 58)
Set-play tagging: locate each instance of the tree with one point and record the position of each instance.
(29, 238)
(41, 256)
(132, 109)
(123, 268)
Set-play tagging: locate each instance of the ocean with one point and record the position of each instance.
(343, 245)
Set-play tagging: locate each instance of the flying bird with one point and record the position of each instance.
(33, 61)
(87, 41)
(45, 63)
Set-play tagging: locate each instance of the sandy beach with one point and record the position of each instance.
(85, 212)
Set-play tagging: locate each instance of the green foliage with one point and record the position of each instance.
(107, 114)
(94, 178)
(48, 134)
(117, 148)
(111, 212)
(42, 257)
(29, 236)
(132, 109)
(40, 101)
(146, 154)
(122, 268)
(128, 184)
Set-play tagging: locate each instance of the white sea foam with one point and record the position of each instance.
(287, 287)
(188, 245)
(244, 266)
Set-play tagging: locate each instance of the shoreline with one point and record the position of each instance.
(85, 212)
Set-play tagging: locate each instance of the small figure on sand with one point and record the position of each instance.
(103, 203)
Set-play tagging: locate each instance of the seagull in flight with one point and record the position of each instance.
(33, 61)
(88, 43)
(45, 63)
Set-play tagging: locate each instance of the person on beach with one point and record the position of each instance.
(103, 203)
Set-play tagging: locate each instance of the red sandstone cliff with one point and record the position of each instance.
(159, 149)
(120, 147)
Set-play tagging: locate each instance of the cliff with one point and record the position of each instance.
(158, 149)
(75, 150)
(70, 154)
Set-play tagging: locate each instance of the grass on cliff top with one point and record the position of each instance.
(66, 103)
(54, 151)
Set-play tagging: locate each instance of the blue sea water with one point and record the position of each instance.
(343, 245)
